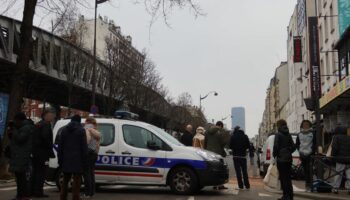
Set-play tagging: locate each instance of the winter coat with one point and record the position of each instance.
(284, 146)
(306, 143)
(198, 141)
(43, 142)
(21, 147)
(341, 149)
(72, 149)
(187, 139)
(215, 140)
(239, 143)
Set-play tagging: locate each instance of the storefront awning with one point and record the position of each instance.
(338, 95)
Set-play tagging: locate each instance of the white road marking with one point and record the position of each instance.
(191, 198)
(15, 188)
(264, 195)
(8, 188)
(296, 189)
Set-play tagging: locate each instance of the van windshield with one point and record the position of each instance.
(166, 135)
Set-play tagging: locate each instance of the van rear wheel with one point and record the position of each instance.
(183, 181)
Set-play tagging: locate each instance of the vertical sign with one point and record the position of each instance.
(344, 15)
(4, 100)
(298, 56)
(314, 57)
(301, 16)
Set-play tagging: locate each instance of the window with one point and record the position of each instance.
(138, 137)
(332, 18)
(107, 134)
(326, 32)
(302, 98)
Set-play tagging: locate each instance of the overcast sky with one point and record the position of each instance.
(233, 50)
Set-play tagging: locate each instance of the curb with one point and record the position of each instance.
(7, 183)
(317, 196)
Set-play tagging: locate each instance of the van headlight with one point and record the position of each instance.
(208, 156)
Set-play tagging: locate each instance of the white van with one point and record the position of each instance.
(267, 151)
(137, 153)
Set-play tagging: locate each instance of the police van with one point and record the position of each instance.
(137, 153)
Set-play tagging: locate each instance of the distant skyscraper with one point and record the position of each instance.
(238, 117)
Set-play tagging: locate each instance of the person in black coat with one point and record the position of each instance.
(341, 155)
(42, 152)
(283, 149)
(187, 137)
(240, 144)
(72, 156)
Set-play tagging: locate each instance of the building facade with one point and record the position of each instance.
(238, 117)
(276, 102)
(298, 58)
(335, 100)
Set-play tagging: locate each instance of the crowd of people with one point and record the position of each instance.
(216, 139)
(31, 147)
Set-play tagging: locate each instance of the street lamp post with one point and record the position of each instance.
(93, 100)
(204, 97)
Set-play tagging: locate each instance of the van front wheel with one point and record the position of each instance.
(183, 181)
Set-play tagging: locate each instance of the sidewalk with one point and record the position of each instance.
(299, 191)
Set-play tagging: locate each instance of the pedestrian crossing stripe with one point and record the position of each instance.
(264, 195)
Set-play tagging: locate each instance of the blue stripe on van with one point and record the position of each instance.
(148, 162)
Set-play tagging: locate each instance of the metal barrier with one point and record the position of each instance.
(324, 168)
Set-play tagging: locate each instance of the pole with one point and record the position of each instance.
(200, 102)
(93, 101)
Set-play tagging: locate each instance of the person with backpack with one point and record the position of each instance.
(21, 150)
(240, 144)
(283, 149)
(306, 143)
(42, 152)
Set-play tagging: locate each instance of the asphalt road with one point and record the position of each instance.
(161, 193)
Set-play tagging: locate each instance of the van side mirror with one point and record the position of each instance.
(152, 145)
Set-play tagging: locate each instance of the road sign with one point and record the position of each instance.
(94, 109)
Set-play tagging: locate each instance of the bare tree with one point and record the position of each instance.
(184, 100)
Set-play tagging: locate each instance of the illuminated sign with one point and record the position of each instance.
(336, 91)
(314, 56)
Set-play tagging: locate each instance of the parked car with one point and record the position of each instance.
(266, 157)
(137, 153)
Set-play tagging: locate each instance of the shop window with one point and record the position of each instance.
(342, 69)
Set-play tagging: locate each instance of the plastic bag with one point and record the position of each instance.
(272, 177)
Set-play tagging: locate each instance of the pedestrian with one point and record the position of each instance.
(198, 139)
(72, 156)
(21, 150)
(283, 149)
(341, 155)
(215, 141)
(42, 152)
(306, 143)
(240, 144)
(251, 153)
(187, 137)
(93, 137)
